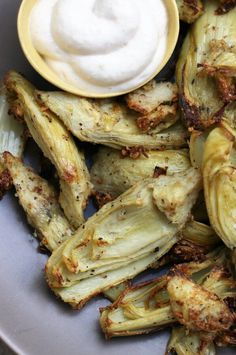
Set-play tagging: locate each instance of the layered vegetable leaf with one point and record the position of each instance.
(113, 174)
(108, 122)
(40, 203)
(117, 243)
(206, 69)
(218, 167)
(57, 145)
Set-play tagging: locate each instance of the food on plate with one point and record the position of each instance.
(108, 122)
(112, 174)
(226, 6)
(197, 308)
(228, 338)
(57, 145)
(114, 292)
(184, 342)
(219, 176)
(205, 71)
(117, 243)
(196, 147)
(189, 11)
(140, 309)
(146, 307)
(40, 203)
(95, 45)
(220, 322)
(157, 105)
(198, 239)
(200, 234)
(166, 189)
(12, 139)
(11, 130)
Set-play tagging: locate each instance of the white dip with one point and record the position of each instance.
(101, 45)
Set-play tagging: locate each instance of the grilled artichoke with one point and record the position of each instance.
(146, 307)
(183, 342)
(219, 178)
(118, 242)
(112, 175)
(157, 104)
(11, 139)
(40, 202)
(108, 122)
(56, 144)
(206, 69)
(189, 11)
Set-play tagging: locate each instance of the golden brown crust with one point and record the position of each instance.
(5, 182)
(102, 198)
(159, 171)
(185, 251)
(134, 152)
(193, 4)
(195, 307)
(161, 114)
(191, 113)
(225, 83)
(226, 6)
(227, 338)
(56, 143)
(157, 105)
(189, 10)
(205, 71)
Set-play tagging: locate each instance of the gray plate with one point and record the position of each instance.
(32, 321)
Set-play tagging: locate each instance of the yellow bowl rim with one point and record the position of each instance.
(47, 73)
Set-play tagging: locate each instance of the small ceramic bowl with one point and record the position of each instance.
(40, 65)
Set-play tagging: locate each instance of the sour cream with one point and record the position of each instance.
(101, 45)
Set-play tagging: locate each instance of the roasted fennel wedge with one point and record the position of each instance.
(196, 147)
(12, 139)
(114, 292)
(197, 241)
(206, 68)
(11, 131)
(226, 6)
(189, 11)
(183, 342)
(219, 176)
(57, 145)
(117, 243)
(111, 174)
(146, 307)
(157, 105)
(40, 203)
(200, 307)
(108, 122)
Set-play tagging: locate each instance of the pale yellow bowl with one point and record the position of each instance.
(45, 71)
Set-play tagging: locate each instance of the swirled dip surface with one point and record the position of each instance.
(101, 45)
